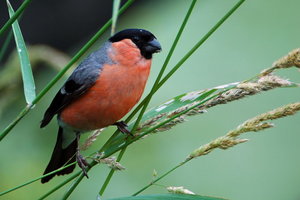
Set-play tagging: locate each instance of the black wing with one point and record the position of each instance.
(83, 77)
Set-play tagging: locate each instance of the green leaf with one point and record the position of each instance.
(168, 197)
(28, 81)
(116, 7)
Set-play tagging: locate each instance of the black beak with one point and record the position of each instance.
(153, 46)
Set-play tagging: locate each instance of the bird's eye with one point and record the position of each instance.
(135, 39)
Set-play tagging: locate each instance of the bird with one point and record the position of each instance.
(103, 88)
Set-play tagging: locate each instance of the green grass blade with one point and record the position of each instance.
(116, 7)
(28, 81)
(36, 179)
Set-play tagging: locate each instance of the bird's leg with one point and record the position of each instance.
(82, 163)
(123, 127)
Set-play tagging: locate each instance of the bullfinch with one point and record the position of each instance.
(100, 91)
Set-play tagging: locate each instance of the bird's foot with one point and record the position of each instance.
(82, 163)
(123, 127)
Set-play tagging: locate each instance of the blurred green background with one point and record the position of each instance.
(266, 167)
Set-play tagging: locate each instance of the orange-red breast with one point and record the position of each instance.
(100, 91)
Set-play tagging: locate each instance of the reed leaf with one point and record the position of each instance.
(28, 81)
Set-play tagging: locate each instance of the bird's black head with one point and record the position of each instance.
(144, 40)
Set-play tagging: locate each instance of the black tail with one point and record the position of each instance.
(61, 157)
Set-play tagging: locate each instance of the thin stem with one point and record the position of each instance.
(62, 72)
(38, 178)
(14, 122)
(60, 185)
(74, 185)
(159, 178)
(5, 44)
(109, 176)
(19, 11)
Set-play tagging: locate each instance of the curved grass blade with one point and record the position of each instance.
(116, 6)
(168, 197)
(28, 81)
